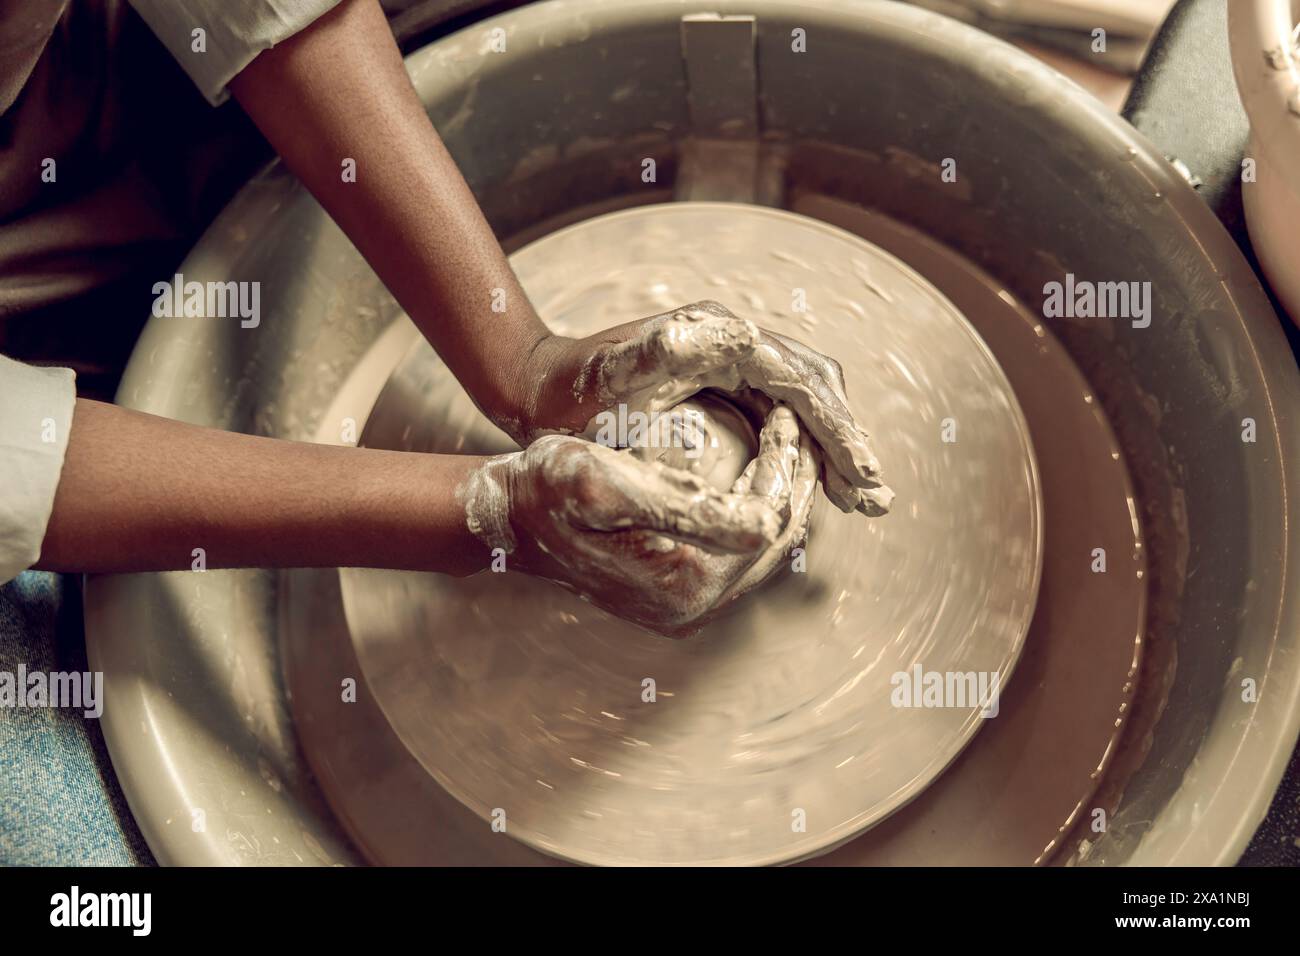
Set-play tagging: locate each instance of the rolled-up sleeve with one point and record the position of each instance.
(35, 418)
(233, 33)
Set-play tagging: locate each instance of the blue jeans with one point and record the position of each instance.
(60, 803)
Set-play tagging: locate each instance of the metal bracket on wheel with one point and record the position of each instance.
(722, 159)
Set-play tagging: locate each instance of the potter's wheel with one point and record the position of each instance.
(1137, 434)
(777, 731)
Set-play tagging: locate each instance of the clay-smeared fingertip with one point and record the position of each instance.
(736, 339)
(754, 526)
(784, 423)
(866, 469)
(876, 501)
(768, 525)
(840, 492)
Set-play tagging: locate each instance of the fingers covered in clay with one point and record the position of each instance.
(614, 491)
(812, 385)
(771, 473)
(872, 502)
(658, 544)
(785, 471)
(691, 341)
(652, 544)
(704, 345)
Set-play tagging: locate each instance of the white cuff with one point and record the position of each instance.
(234, 32)
(35, 417)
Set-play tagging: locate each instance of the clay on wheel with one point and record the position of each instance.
(705, 435)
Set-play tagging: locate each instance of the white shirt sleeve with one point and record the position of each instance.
(35, 417)
(234, 32)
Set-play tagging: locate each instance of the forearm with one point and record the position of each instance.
(141, 493)
(338, 90)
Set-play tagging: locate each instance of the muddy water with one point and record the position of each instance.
(1031, 774)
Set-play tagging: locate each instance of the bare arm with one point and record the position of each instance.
(140, 493)
(339, 90)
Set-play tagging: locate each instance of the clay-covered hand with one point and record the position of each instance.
(651, 544)
(654, 363)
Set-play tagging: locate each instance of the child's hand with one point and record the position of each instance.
(658, 361)
(649, 543)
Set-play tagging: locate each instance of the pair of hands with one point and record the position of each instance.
(654, 544)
